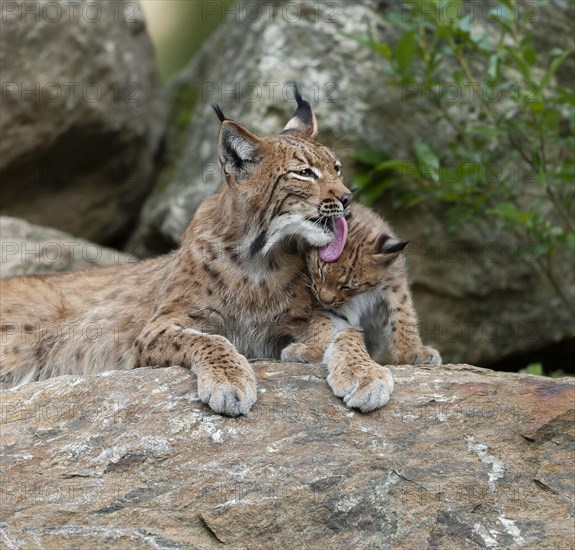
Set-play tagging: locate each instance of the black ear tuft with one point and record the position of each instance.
(303, 120)
(389, 245)
(297, 94)
(219, 112)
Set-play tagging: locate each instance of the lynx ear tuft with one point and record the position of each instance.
(238, 149)
(303, 120)
(219, 112)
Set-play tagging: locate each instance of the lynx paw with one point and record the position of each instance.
(423, 356)
(367, 391)
(231, 390)
(301, 353)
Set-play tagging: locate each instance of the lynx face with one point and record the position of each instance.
(308, 193)
(335, 283)
(292, 184)
(364, 264)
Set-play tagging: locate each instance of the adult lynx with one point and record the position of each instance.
(233, 287)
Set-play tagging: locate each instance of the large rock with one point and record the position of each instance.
(28, 249)
(479, 299)
(82, 114)
(461, 457)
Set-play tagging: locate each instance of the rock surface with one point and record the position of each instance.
(479, 300)
(31, 249)
(461, 458)
(82, 114)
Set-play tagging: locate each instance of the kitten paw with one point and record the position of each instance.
(368, 391)
(301, 353)
(423, 356)
(230, 391)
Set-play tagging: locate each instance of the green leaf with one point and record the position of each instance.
(559, 373)
(521, 64)
(510, 212)
(483, 44)
(565, 95)
(534, 368)
(429, 163)
(383, 49)
(449, 9)
(529, 54)
(406, 22)
(364, 39)
(413, 201)
(464, 23)
(361, 180)
(493, 67)
(373, 190)
(397, 165)
(541, 175)
(370, 157)
(550, 120)
(489, 132)
(553, 69)
(367, 41)
(405, 51)
(502, 13)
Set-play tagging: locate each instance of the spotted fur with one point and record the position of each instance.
(233, 289)
(366, 289)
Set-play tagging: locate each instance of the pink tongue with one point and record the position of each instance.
(333, 250)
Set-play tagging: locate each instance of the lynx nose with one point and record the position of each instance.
(346, 199)
(326, 297)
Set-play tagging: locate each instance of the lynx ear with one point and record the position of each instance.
(388, 248)
(238, 149)
(303, 120)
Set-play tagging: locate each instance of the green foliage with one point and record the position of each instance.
(537, 369)
(512, 158)
(534, 368)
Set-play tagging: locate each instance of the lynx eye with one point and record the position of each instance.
(347, 287)
(338, 169)
(307, 172)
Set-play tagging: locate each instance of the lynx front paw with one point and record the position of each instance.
(229, 390)
(423, 356)
(369, 390)
(301, 353)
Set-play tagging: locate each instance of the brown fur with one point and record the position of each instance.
(366, 289)
(234, 286)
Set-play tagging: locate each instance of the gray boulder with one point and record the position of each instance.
(479, 300)
(133, 459)
(82, 114)
(28, 249)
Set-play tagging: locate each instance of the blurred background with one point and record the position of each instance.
(179, 27)
(454, 119)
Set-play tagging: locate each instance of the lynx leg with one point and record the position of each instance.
(407, 347)
(353, 375)
(311, 346)
(226, 381)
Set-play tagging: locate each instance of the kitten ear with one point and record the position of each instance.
(303, 120)
(389, 247)
(238, 149)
